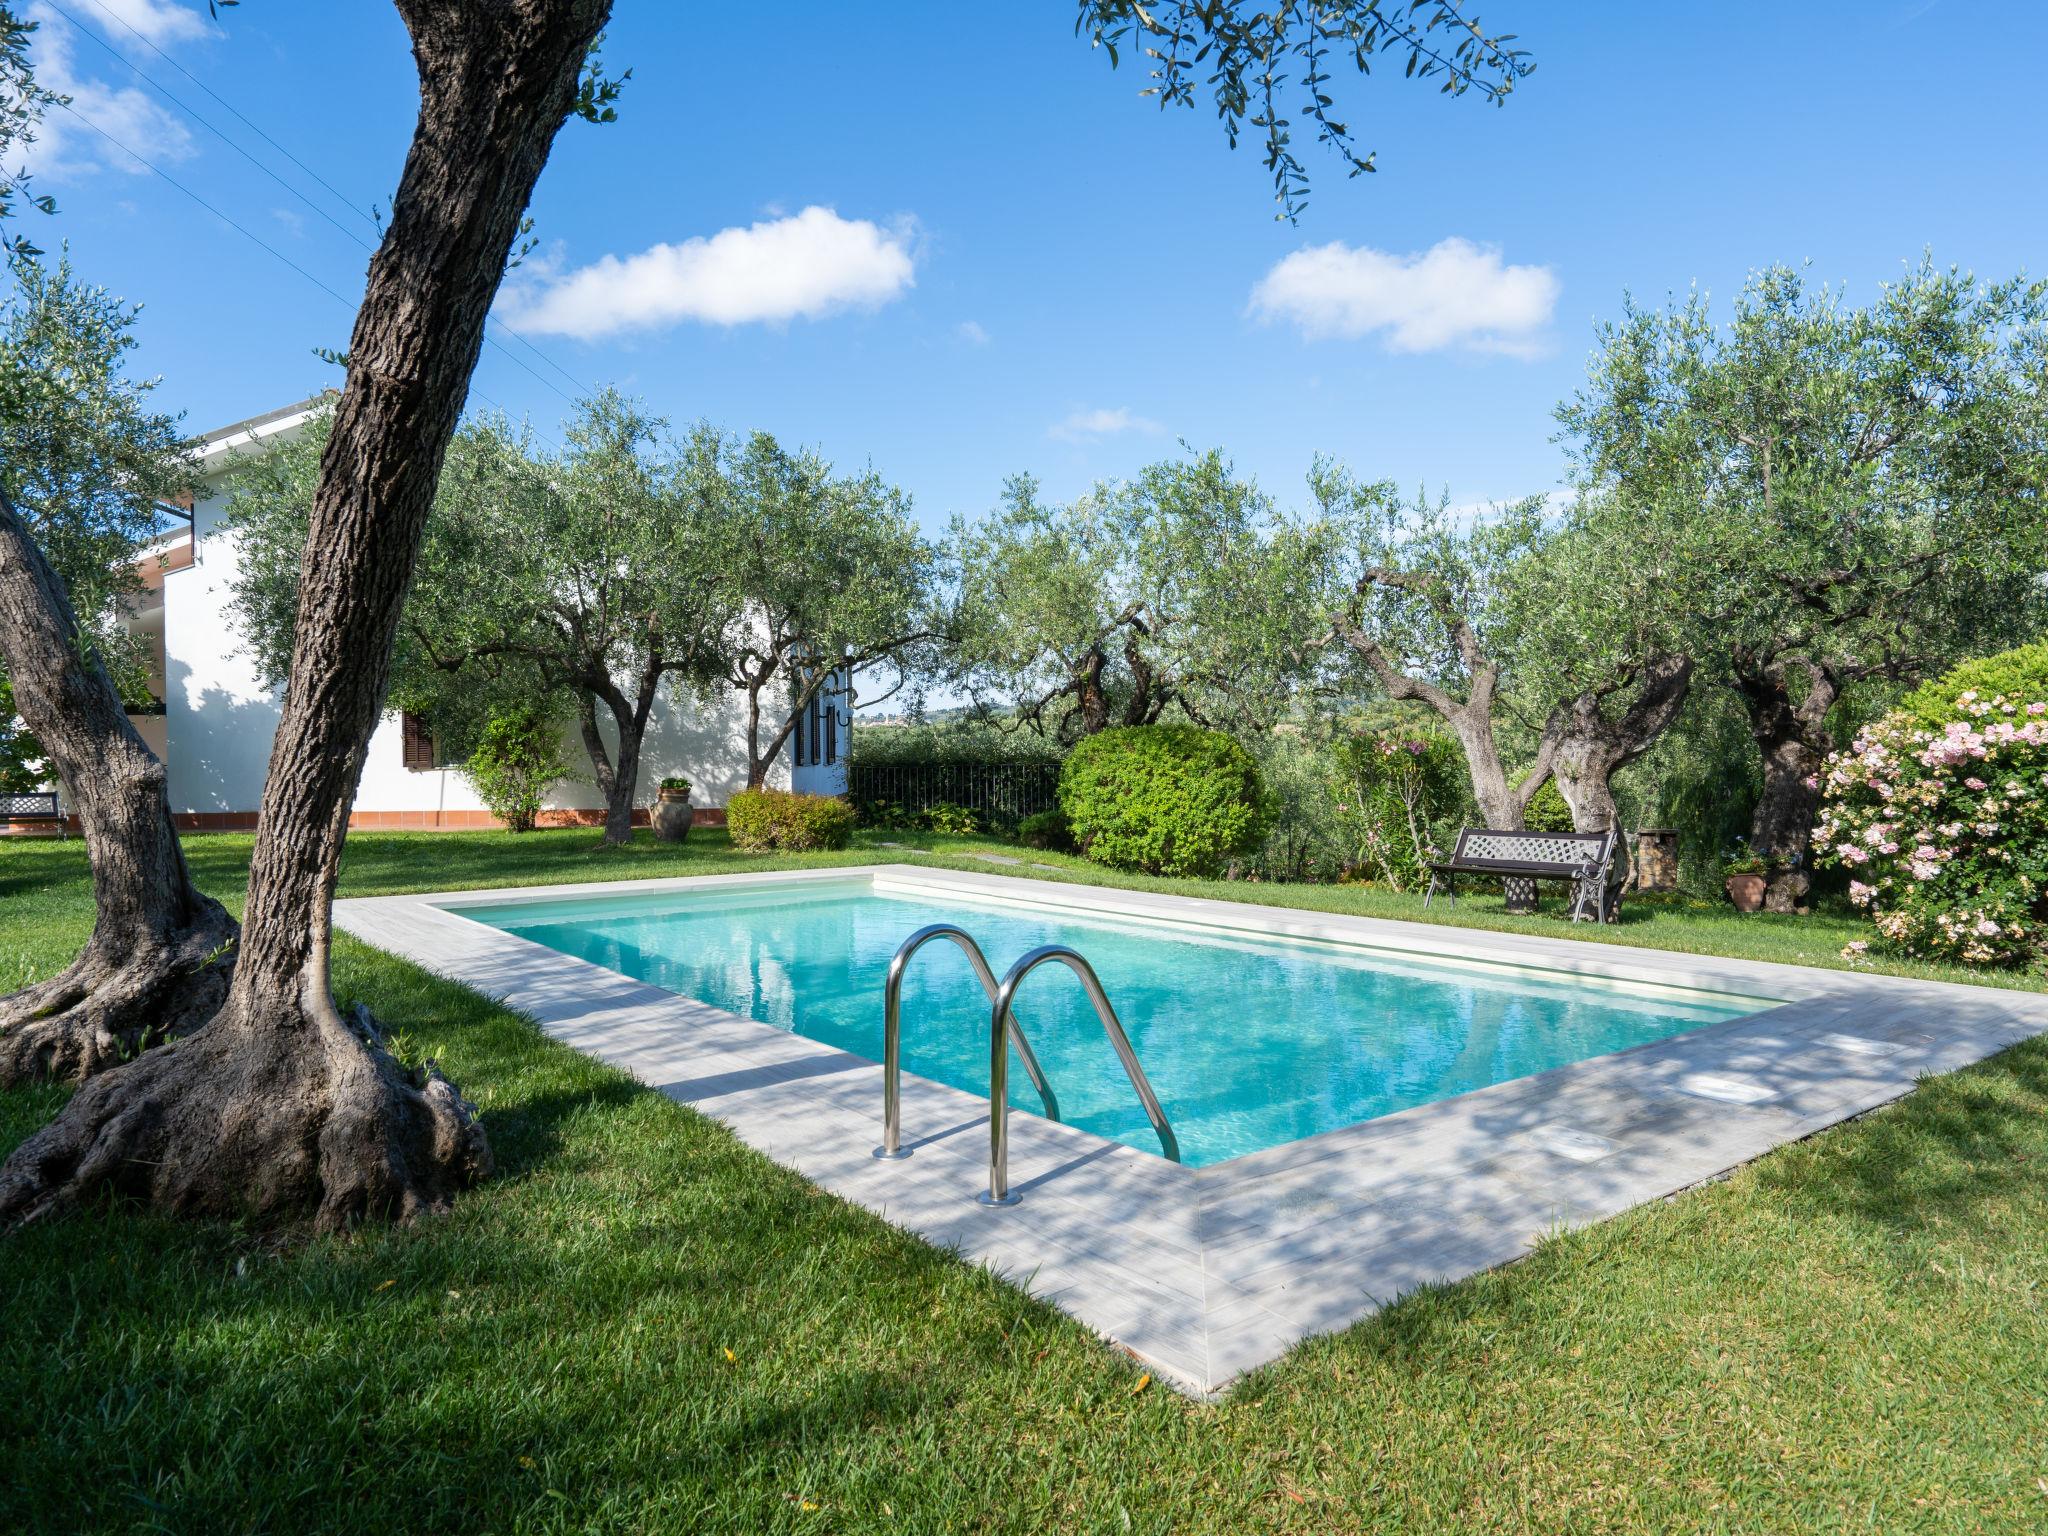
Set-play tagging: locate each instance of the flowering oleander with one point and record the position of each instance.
(1944, 831)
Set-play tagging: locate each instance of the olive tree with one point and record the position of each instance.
(86, 464)
(1858, 492)
(278, 1103)
(1599, 654)
(827, 574)
(1516, 615)
(1415, 595)
(1165, 593)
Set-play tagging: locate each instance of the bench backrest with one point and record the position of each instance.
(1560, 853)
(38, 806)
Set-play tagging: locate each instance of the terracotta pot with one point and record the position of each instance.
(671, 815)
(1746, 891)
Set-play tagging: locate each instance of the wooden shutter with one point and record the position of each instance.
(418, 741)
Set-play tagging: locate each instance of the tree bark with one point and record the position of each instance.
(1591, 748)
(618, 798)
(1794, 740)
(161, 952)
(279, 1107)
(618, 779)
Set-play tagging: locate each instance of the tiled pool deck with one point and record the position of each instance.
(1208, 1273)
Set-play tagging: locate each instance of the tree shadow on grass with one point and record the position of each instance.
(1958, 1145)
(616, 1341)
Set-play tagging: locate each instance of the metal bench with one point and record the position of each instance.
(39, 806)
(1586, 859)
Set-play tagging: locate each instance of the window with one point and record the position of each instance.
(418, 742)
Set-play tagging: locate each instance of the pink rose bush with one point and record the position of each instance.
(1944, 831)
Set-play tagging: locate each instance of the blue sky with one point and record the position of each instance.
(1014, 263)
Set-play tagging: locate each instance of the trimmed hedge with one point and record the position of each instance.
(1164, 799)
(976, 744)
(2021, 673)
(761, 819)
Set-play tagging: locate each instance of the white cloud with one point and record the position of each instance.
(161, 21)
(1455, 294)
(971, 331)
(65, 148)
(1086, 426)
(800, 267)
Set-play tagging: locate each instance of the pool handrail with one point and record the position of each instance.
(892, 1033)
(998, 1192)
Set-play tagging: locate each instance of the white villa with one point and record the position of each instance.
(218, 717)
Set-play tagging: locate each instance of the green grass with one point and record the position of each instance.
(1847, 1335)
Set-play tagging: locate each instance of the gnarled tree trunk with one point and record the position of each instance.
(1793, 736)
(1501, 805)
(161, 952)
(279, 1106)
(1591, 748)
(618, 777)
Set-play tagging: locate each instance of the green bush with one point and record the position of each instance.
(894, 816)
(1547, 810)
(1399, 794)
(518, 756)
(761, 819)
(958, 820)
(2016, 674)
(1047, 830)
(1164, 799)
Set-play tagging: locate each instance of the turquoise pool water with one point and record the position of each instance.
(1248, 1042)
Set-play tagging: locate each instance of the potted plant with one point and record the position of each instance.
(671, 814)
(1744, 872)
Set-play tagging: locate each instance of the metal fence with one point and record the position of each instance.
(998, 792)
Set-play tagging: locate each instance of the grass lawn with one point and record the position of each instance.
(641, 1325)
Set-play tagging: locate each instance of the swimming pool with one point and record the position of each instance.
(1250, 1040)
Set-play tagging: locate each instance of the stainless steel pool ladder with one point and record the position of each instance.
(892, 1033)
(1003, 1032)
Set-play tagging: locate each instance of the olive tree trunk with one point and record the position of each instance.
(1789, 725)
(1502, 805)
(1592, 748)
(280, 1106)
(617, 774)
(161, 952)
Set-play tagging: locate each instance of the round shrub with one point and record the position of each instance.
(761, 819)
(1943, 829)
(518, 757)
(1164, 799)
(2014, 674)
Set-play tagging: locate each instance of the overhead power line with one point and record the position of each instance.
(253, 238)
(240, 149)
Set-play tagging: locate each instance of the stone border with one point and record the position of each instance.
(1207, 1273)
